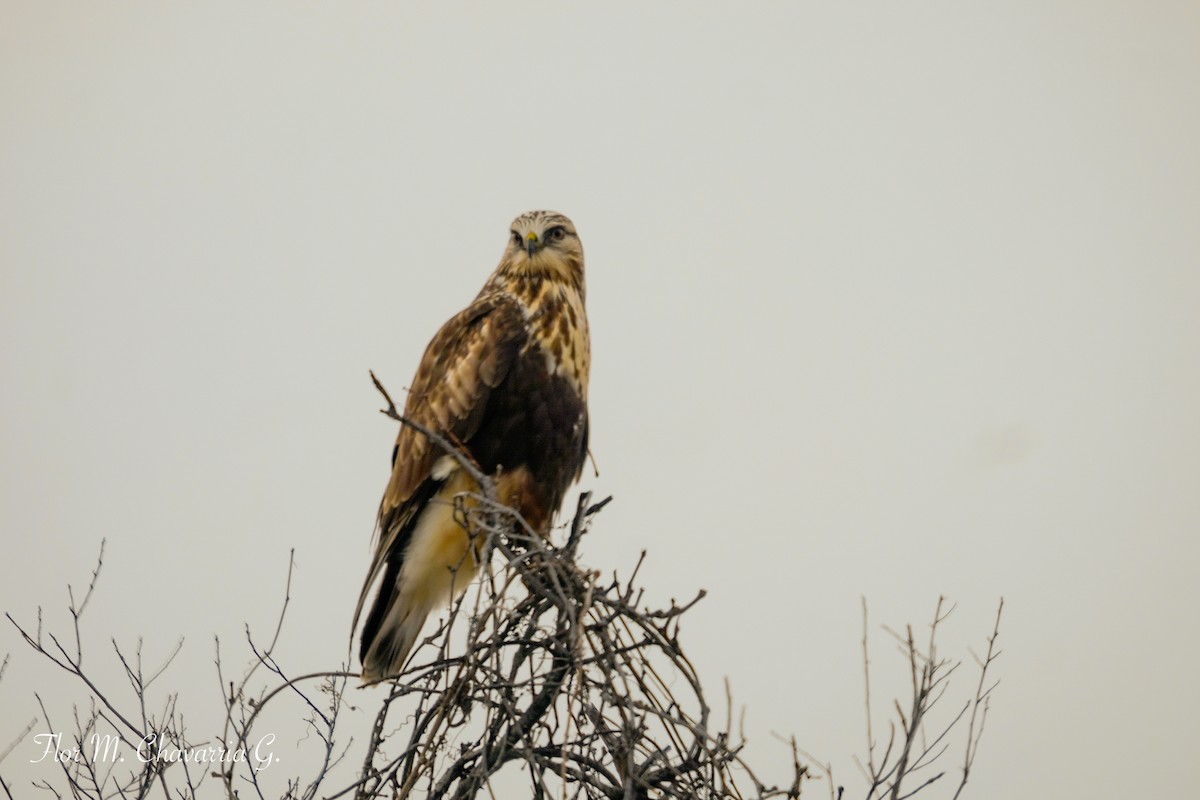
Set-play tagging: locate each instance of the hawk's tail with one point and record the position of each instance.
(426, 558)
(384, 653)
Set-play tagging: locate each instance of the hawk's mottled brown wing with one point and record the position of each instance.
(465, 361)
(467, 358)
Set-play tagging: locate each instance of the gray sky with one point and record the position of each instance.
(886, 299)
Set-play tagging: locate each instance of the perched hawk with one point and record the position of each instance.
(506, 380)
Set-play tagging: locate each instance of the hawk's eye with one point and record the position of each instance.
(556, 234)
(516, 236)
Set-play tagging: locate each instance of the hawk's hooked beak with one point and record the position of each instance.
(531, 243)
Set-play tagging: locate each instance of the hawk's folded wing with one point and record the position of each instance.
(465, 361)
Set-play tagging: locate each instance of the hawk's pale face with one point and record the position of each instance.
(544, 242)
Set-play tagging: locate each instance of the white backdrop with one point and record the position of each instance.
(887, 299)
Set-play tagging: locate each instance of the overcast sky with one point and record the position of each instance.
(887, 300)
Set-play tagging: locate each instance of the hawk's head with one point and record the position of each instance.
(544, 243)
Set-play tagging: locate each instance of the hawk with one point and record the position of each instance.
(506, 380)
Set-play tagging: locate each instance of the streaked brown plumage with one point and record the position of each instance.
(507, 380)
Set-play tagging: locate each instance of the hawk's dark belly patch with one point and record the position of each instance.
(537, 421)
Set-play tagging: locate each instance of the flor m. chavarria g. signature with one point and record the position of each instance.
(107, 748)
